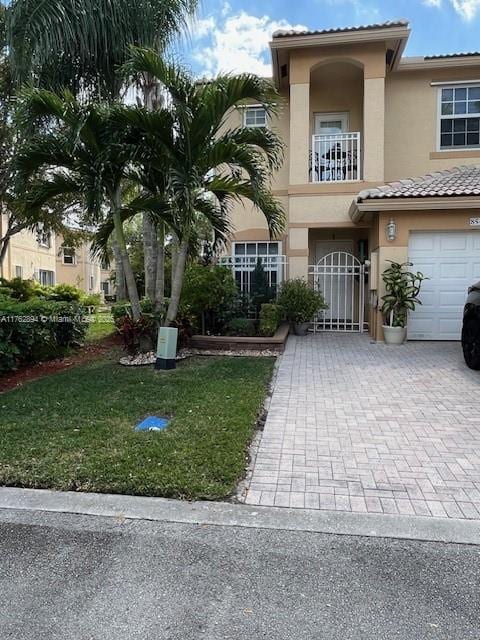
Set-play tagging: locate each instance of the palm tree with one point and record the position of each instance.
(85, 155)
(207, 168)
(79, 45)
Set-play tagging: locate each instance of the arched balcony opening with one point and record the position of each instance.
(336, 121)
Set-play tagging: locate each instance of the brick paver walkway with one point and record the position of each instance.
(357, 426)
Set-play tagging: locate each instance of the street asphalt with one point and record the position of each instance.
(78, 577)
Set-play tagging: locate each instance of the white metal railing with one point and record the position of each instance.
(243, 267)
(335, 157)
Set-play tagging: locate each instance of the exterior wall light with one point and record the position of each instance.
(391, 230)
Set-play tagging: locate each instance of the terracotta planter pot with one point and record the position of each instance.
(394, 335)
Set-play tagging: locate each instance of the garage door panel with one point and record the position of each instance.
(450, 269)
(422, 243)
(453, 242)
(451, 261)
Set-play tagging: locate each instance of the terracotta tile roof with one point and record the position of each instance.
(440, 56)
(283, 33)
(458, 181)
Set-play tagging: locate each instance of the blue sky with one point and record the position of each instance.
(233, 35)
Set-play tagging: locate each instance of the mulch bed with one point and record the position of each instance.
(31, 372)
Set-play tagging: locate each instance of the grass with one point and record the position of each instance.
(73, 430)
(102, 327)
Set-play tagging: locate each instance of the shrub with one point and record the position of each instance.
(208, 295)
(270, 318)
(38, 330)
(137, 335)
(63, 292)
(299, 301)
(19, 289)
(260, 290)
(241, 327)
(91, 300)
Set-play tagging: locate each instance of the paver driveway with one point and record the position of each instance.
(357, 426)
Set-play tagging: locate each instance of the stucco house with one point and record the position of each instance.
(41, 255)
(382, 163)
(76, 266)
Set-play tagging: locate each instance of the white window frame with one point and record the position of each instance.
(250, 266)
(91, 282)
(46, 271)
(318, 116)
(256, 107)
(467, 84)
(74, 257)
(18, 270)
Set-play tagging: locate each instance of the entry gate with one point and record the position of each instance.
(340, 278)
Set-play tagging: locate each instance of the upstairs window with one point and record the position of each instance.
(460, 117)
(68, 256)
(255, 116)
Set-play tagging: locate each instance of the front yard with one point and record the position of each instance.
(74, 430)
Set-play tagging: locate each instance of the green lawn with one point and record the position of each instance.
(100, 328)
(73, 430)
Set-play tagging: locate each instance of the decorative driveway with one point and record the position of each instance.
(364, 427)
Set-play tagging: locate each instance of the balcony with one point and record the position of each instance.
(335, 158)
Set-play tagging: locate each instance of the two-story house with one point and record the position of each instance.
(382, 163)
(77, 266)
(41, 255)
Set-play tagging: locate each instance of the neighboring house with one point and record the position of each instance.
(355, 116)
(31, 256)
(76, 266)
(41, 256)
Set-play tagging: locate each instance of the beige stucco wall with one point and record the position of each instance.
(412, 120)
(24, 251)
(79, 273)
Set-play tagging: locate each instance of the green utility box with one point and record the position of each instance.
(166, 348)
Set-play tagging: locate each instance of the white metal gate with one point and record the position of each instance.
(340, 278)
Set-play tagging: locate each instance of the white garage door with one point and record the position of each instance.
(452, 262)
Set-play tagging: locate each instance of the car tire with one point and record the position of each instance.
(471, 343)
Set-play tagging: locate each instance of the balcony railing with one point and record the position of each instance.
(335, 157)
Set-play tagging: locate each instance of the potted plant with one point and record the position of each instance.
(403, 288)
(300, 304)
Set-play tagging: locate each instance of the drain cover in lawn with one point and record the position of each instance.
(152, 423)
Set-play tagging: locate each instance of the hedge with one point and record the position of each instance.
(38, 330)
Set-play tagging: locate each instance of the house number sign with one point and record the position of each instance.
(475, 222)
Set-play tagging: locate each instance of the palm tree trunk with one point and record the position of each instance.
(121, 291)
(124, 259)
(150, 244)
(160, 280)
(150, 249)
(174, 257)
(4, 242)
(177, 283)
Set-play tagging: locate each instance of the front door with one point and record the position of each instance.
(337, 291)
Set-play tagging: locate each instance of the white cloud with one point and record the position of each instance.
(467, 9)
(236, 43)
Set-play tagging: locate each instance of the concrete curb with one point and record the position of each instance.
(446, 530)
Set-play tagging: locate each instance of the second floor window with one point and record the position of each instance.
(68, 256)
(460, 117)
(255, 117)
